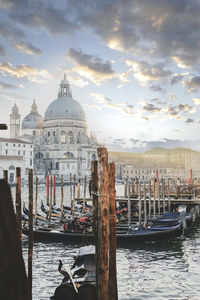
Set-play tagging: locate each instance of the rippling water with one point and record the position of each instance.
(160, 270)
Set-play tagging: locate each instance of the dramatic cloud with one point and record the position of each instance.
(192, 84)
(123, 108)
(27, 48)
(146, 72)
(92, 67)
(24, 71)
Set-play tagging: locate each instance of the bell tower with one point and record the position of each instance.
(14, 122)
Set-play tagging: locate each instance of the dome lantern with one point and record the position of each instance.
(65, 90)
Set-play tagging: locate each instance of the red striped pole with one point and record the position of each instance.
(190, 176)
(54, 190)
(156, 175)
(47, 189)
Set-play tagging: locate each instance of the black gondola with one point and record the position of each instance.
(79, 281)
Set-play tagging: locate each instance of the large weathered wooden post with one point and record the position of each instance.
(14, 284)
(18, 203)
(78, 189)
(70, 189)
(145, 204)
(154, 199)
(103, 226)
(113, 295)
(30, 240)
(150, 199)
(74, 190)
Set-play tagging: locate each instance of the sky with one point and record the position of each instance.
(133, 65)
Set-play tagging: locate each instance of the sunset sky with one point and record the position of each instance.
(134, 66)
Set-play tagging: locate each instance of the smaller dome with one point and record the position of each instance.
(15, 109)
(33, 120)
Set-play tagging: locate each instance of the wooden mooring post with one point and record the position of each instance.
(14, 284)
(36, 197)
(62, 198)
(78, 189)
(129, 206)
(140, 205)
(30, 239)
(113, 294)
(47, 189)
(54, 190)
(50, 203)
(84, 193)
(74, 191)
(18, 204)
(5, 175)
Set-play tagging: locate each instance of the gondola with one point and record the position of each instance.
(79, 281)
(132, 235)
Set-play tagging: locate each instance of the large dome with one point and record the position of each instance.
(64, 107)
(33, 120)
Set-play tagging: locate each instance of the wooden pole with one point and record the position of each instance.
(145, 204)
(125, 188)
(149, 199)
(103, 227)
(154, 199)
(14, 284)
(168, 189)
(50, 203)
(129, 206)
(140, 205)
(70, 189)
(54, 190)
(18, 204)
(30, 240)
(74, 190)
(112, 250)
(62, 198)
(158, 196)
(48, 190)
(84, 193)
(78, 189)
(5, 175)
(163, 185)
(36, 196)
(94, 193)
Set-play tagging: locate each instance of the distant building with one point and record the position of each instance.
(61, 142)
(15, 153)
(171, 163)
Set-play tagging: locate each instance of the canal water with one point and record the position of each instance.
(154, 271)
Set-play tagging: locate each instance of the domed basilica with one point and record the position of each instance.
(61, 143)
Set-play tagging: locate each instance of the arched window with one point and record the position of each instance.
(79, 138)
(70, 137)
(63, 137)
(93, 156)
(11, 168)
(68, 155)
(39, 155)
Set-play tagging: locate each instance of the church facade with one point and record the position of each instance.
(61, 142)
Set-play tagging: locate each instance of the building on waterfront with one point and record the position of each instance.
(170, 163)
(15, 153)
(61, 142)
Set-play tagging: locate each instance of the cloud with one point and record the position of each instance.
(171, 97)
(91, 66)
(144, 72)
(196, 101)
(7, 86)
(123, 108)
(192, 84)
(189, 121)
(151, 108)
(157, 88)
(3, 51)
(9, 31)
(24, 71)
(27, 48)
